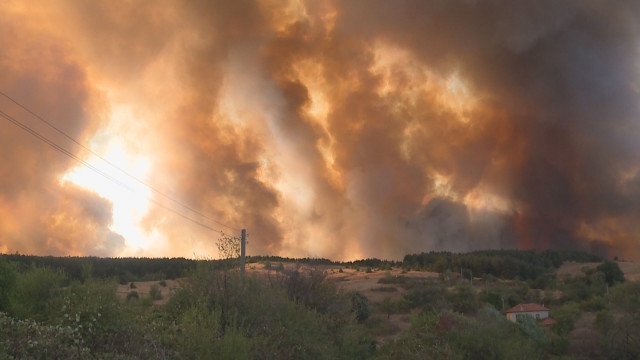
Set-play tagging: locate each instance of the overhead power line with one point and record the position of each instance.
(101, 172)
(98, 171)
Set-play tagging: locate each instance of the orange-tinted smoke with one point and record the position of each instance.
(354, 129)
(39, 214)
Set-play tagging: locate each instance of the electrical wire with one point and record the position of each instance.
(59, 148)
(163, 194)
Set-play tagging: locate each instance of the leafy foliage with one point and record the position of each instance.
(449, 335)
(33, 291)
(125, 269)
(7, 281)
(360, 307)
(68, 308)
(612, 272)
(505, 264)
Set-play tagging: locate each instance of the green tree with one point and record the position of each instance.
(360, 306)
(387, 306)
(155, 292)
(621, 324)
(565, 317)
(34, 290)
(7, 281)
(448, 335)
(612, 272)
(463, 299)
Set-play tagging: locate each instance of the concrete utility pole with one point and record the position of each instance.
(243, 250)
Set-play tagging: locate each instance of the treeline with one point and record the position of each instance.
(273, 259)
(504, 264)
(124, 269)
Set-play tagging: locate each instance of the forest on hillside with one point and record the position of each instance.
(68, 308)
(507, 264)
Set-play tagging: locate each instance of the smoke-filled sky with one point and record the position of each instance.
(337, 129)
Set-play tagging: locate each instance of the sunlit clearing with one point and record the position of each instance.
(128, 196)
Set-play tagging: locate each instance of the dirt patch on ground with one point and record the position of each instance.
(143, 288)
(574, 268)
(631, 269)
(373, 284)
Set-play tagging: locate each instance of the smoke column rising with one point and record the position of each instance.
(344, 129)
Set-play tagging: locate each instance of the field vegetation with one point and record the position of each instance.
(428, 306)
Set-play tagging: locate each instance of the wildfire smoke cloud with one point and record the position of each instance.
(335, 129)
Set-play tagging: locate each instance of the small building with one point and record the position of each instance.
(547, 322)
(536, 311)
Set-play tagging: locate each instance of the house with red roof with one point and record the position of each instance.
(536, 311)
(547, 322)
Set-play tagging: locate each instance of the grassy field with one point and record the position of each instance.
(143, 288)
(631, 269)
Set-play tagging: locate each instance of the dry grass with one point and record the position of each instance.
(143, 288)
(368, 283)
(631, 269)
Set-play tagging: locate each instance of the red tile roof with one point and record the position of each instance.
(547, 322)
(531, 307)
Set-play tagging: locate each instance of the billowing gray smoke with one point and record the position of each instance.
(353, 129)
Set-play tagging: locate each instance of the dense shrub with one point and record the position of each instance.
(155, 292)
(360, 306)
(7, 281)
(34, 291)
(133, 295)
(449, 335)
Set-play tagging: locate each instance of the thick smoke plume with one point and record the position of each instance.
(344, 129)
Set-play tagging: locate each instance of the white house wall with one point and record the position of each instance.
(538, 315)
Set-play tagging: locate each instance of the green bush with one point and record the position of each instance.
(463, 299)
(565, 317)
(155, 292)
(34, 291)
(360, 306)
(28, 339)
(611, 270)
(7, 281)
(133, 295)
(429, 297)
(448, 335)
